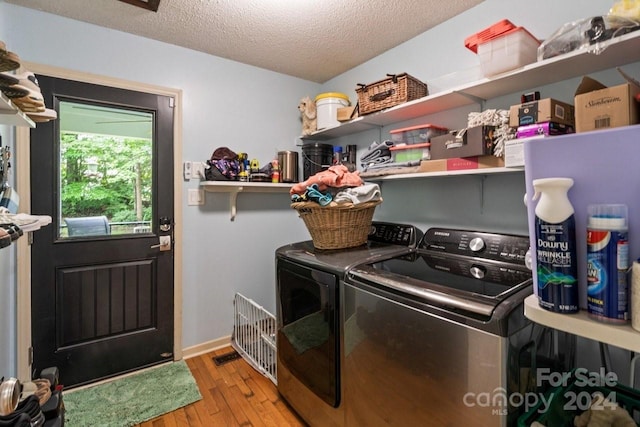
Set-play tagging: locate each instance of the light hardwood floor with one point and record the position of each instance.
(233, 394)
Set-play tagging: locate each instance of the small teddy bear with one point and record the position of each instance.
(309, 116)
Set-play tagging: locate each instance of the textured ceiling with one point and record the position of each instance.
(311, 39)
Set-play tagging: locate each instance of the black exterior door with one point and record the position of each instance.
(102, 287)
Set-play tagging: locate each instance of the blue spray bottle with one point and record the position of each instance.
(556, 260)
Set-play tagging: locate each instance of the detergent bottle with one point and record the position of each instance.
(556, 264)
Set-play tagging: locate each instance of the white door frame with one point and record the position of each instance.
(23, 185)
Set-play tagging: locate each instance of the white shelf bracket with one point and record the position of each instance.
(474, 98)
(233, 198)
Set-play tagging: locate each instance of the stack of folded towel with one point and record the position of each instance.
(378, 157)
(377, 154)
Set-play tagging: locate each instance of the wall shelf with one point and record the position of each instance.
(623, 336)
(11, 115)
(484, 171)
(612, 53)
(236, 187)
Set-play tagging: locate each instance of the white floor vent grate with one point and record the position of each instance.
(254, 336)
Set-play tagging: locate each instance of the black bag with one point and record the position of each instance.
(223, 165)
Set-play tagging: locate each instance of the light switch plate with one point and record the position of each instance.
(187, 169)
(195, 197)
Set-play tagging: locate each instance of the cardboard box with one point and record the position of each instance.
(433, 165)
(345, 114)
(461, 163)
(514, 153)
(542, 110)
(476, 141)
(601, 107)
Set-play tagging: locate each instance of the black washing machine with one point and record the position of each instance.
(309, 286)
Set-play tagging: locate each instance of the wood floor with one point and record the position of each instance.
(233, 394)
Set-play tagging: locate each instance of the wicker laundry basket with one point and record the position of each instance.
(338, 226)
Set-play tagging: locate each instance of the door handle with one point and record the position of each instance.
(164, 245)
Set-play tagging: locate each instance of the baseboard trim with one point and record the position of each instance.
(206, 347)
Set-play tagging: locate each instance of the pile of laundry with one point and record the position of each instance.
(335, 186)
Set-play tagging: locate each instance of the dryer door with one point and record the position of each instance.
(307, 315)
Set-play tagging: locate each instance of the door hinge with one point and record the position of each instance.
(30, 356)
(30, 238)
(172, 102)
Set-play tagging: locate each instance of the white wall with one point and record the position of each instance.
(439, 58)
(253, 110)
(225, 104)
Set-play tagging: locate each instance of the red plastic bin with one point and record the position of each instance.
(487, 34)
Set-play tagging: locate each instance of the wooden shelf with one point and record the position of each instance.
(612, 53)
(623, 336)
(11, 115)
(236, 187)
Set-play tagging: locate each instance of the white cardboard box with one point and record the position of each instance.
(514, 151)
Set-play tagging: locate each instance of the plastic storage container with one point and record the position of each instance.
(410, 152)
(559, 405)
(513, 49)
(327, 105)
(416, 134)
(497, 29)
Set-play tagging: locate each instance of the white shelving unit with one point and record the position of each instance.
(236, 187)
(11, 115)
(612, 53)
(483, 171)
(623, 336)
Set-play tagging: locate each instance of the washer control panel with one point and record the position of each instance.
(499, 247)
(395, 234)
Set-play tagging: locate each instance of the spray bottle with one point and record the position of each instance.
(556, 265)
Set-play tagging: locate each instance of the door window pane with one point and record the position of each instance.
(105, 170)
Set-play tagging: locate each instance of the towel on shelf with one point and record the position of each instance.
(408, 163)
(377, 153)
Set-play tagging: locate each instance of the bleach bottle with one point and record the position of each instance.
(556, 260)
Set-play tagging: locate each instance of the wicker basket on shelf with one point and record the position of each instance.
(339, 226)
(395, 89)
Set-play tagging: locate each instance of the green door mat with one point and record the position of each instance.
(133, 399)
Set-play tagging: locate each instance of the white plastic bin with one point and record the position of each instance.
(513, 49)
(327, 105)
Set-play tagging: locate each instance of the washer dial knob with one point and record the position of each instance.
(476, 244)
(478, 271)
